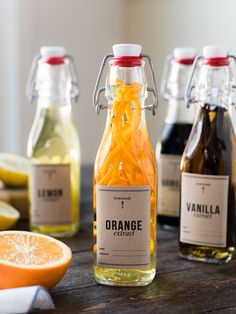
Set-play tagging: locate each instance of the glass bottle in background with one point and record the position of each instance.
(125, 187)
(53, 145)
(208, 165)
(178, 124)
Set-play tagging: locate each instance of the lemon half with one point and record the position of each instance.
(14, 169)
(8, 216)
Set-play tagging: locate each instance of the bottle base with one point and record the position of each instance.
(124, 277)
(207, 254)
(57, 231)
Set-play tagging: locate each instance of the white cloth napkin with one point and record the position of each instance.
(23, 300)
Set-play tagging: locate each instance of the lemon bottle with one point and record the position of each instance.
(53, 145)
(125, 179)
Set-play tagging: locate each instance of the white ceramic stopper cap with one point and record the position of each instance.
(210, 52)
(52, 51)
(121, 50)
(184, 53)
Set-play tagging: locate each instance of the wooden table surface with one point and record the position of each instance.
(180, 286)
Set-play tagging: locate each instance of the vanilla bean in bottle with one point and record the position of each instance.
(178, 125)
(208, 176)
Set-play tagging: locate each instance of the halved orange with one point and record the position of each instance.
(28, 259)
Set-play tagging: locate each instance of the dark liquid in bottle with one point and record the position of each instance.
(211, 150)
(173, 142)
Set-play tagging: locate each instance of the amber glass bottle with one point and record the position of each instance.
(208, 165)
(178, 124)
(125, 187)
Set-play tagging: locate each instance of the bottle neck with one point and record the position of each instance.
(123, 82)
(212, 85)
(126, 90)
(175, 80)
(178, 113)
(53, 86)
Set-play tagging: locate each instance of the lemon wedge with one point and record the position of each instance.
(14, 169)
(8, 216)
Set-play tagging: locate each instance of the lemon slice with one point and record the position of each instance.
(8, 216)
(14, 169)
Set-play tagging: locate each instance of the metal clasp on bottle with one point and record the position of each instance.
(98, 90)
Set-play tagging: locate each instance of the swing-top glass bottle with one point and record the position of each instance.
(208, 165)
(178, 125)
(125, 187)
(53, 145)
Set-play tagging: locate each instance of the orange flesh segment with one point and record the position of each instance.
(30, 249)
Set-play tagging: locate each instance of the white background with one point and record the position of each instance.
(88, 28)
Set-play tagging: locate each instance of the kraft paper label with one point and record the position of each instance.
(169, 185)
(51, 202)
(204, 209)
(123, 226)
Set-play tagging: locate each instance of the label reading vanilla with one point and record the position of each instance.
(169, 185)
(204, 208)
(123, 226)
(51, 202)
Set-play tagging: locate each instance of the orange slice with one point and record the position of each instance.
(28, 259)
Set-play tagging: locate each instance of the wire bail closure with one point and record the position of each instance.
(190, 95)
(98, 90)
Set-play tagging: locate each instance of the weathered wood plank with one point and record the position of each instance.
(81, 270)
(193, 290)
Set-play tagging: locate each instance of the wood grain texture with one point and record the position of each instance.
(179, 287)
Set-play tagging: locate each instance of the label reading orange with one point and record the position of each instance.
(123, 226)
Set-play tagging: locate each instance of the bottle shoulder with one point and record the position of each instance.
(211, 146)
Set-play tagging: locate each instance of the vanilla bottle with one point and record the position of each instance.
(53, 145)
(125, 187)
(178, 124)
(208, 177)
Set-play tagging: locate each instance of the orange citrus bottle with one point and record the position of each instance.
(125, 178)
